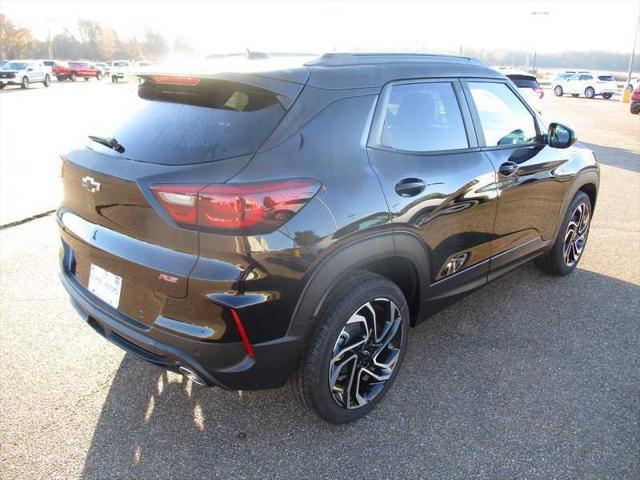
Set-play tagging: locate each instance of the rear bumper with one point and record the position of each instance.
(225, 365)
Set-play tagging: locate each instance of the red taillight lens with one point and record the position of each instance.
(246, 208)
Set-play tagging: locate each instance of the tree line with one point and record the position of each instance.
(96, 42)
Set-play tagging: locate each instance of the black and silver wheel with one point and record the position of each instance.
(25, 82)
(356, 351)
(558, 91)
(47, 81)
(571, 240)
(589, 92)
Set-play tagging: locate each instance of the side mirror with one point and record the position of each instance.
(560, 136)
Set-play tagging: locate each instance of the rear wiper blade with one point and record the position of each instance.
(112, 143)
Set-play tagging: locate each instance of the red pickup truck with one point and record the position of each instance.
(75, 70)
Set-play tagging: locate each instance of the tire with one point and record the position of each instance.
(557, 91)
(25, 82)
(73, 77)
(114, 79)
(555, 261)
(2, 85)
(47, 81)
(86, 79)
(60, 78)
(99, 76)
(634, 111)
(589, 92)
(607, 96)
(361, 294)
(575, 94)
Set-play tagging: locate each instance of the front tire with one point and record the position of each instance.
(47, 81)
(73, 77)
(589, 92)
(24, 83)
(567, 250)
(558, 92)
(99, 76)
(356, 350)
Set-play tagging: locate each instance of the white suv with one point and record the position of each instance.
(24, 73)
(120, 69)
(588, 84)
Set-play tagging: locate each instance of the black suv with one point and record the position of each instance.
(256, 225)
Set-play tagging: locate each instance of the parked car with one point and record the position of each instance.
(24, 73)
(246, 228)
(588, 84)
(74, 70)
(104, 68)
(527, 84)
(634, 107)
(120, 70)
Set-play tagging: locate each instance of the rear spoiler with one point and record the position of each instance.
(286, 84)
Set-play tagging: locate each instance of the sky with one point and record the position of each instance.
(323, 26)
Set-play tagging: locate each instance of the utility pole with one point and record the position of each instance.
(633, 54)
(49, 42)
(533, 15)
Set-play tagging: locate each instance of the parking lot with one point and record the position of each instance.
(530, 377)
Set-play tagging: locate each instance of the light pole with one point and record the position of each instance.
(533, 15)
(49, 43)
(625, 94)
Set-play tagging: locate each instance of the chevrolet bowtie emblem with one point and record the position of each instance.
(88, 183)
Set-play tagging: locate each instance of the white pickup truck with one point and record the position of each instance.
(24, 73)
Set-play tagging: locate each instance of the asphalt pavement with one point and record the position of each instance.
(530, 377)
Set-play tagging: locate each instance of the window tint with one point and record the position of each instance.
(606, 78)
(586, 77)
(423, 117)
(183, 124)
(503, 117)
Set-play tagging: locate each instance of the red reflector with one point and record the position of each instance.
(247, 207)
(174, 80)
(243, 334)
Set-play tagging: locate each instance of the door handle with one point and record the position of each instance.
(409, 187)
(508, 168)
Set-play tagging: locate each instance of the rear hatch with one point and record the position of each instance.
(177, 130)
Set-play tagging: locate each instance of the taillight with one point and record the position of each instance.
(243, 208)
(539, 91)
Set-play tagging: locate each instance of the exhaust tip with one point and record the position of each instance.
(191, 375)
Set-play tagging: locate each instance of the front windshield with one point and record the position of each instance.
(14, 66)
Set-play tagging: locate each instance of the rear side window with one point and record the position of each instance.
(422, 117)
(179, 124)
(586, 77)
(503, 117)
(606, 78)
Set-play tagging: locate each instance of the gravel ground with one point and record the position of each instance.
(530, 377)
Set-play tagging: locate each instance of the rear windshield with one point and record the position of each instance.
(524, 81)
(187, 124)
(606, 78)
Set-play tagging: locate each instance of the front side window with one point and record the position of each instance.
(503, 117)
(422, 117)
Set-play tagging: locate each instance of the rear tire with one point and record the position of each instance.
(24, 83)
(99, 76)
(569, 246)
(558, 92)
(73, 77)
(47, 81)
(114, 79)
(607, 96)
(86, 79)
(575, 94)
(589, 92)
(346, 371)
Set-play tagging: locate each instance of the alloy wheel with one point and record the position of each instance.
(575, 237)
(365, 353)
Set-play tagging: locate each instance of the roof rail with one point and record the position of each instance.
(368, 58)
